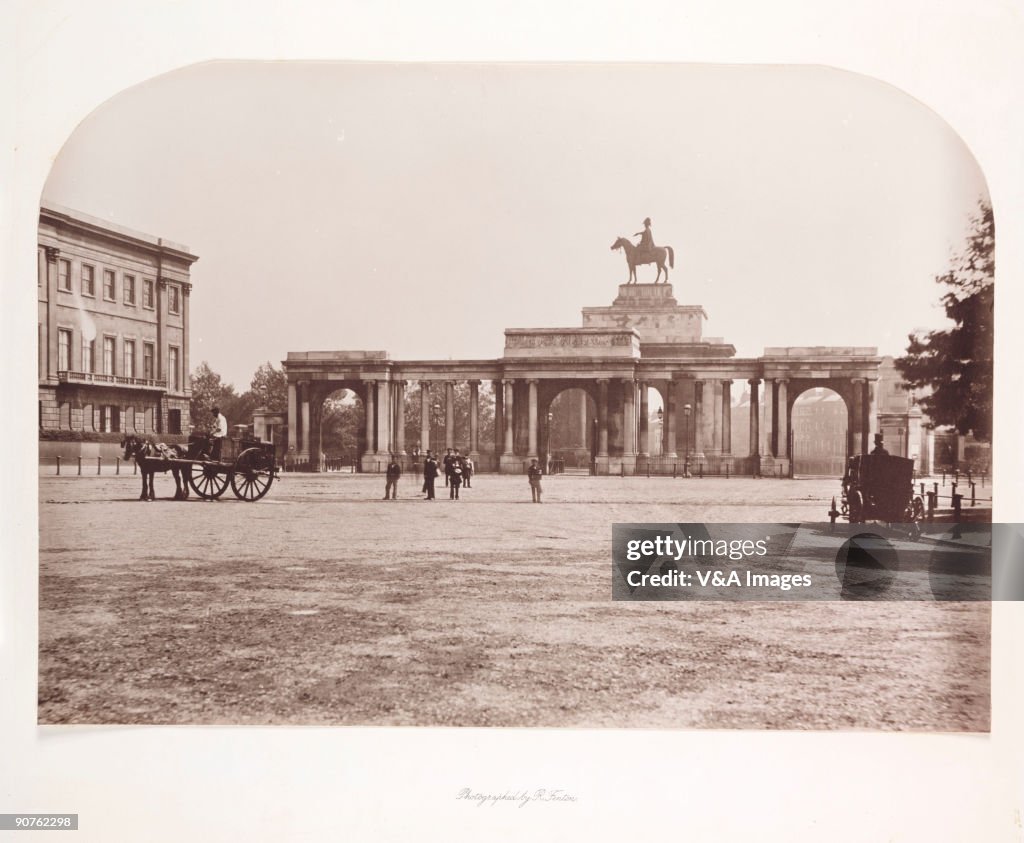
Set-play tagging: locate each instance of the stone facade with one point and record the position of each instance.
(113, 333)
(644, 341)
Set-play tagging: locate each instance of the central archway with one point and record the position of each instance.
(819, 424)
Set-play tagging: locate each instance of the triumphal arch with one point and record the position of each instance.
(644, 341)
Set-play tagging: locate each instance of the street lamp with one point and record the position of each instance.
(687, 409)
(661, 431)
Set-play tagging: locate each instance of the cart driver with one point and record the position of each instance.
(220, 432)
(879, 447)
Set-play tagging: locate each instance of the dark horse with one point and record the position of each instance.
(152, 458)
(634, 257)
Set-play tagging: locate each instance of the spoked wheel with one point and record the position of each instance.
(206, 482)
(251, 480)
(856, 505)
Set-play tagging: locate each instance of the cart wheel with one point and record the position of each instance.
(855, 502)
(249, 480)
(206, 481)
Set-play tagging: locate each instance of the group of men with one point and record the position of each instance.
(458, 472)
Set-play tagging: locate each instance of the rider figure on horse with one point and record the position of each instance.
(646, 244)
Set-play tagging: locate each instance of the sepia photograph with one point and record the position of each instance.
(346, 371)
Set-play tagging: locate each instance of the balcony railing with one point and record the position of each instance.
(110, 380)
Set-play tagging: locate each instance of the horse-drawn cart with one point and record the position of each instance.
(246, 465)
(879, 487)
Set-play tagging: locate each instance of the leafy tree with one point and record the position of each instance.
(269, 388)
(209, 391)
(956, 364)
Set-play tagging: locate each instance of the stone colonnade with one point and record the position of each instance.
(694, 432)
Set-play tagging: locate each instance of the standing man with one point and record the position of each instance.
(447, 463)
(455, 477)
(535, 472)
(429, 475)
(467, 473)
(391, 483)
(220, 432)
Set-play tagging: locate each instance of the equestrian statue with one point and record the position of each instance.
(645, 252)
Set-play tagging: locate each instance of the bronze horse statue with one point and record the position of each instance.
(634, 257)
(150, 459)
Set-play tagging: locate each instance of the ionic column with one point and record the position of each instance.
(186, 383)
(644, 421)
(716, 416)
(474, 418)
(449, 414)
(52, 255)
(726, 416)
(698, 417)
(400, 417)
(507, 410)
(871, 424)
(782, 439)
(499, 417)
(371, 401)
(670, 419)
(424, 416)
(755, 419)
(305, 419)
(383, 417)
(602, 416)
(857, 413)
(532, 383)
(293, 420)
(629, 417)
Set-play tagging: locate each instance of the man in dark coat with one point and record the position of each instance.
(429, 475)
(391, 483)
(535, 472)
(879, 447)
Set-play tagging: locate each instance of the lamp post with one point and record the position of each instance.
(687, 409)
(547, 440)
(661, 431)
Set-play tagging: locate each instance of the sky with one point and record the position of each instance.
(422, 209)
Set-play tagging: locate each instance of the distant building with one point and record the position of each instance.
(113, 334)
(820, 442)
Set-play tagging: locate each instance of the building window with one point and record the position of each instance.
(147, 421)
(110, 419)
(88, 420)
(63, 350)
(109, 289)
(173, 381)
(129, 290)
(147, 294)
(174, 421)
(147, 360)
(88, 280)
(87, 350)
(173, 303)
(129, 359)
(108, 355)
(64, 275)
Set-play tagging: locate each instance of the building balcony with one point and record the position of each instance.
(97, 379)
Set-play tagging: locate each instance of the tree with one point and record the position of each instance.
(269, 388)
(208, 391)
(956, 363)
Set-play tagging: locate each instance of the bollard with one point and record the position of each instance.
(727, 477)
(953, 486)
(117, 467)
(972, 491)
(922, 488)
(648, 469)
(79, 466)
(833, 514)
(969, 478)
(700, 470)
(135, 468)
(935, 488)
(673, 471)
(58, 465)
(99, 464)
(931, 504)
(957, 507)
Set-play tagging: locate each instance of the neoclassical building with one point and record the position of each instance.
(643, 341)
(113, 333)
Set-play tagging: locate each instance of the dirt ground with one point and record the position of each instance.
(323, 604)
